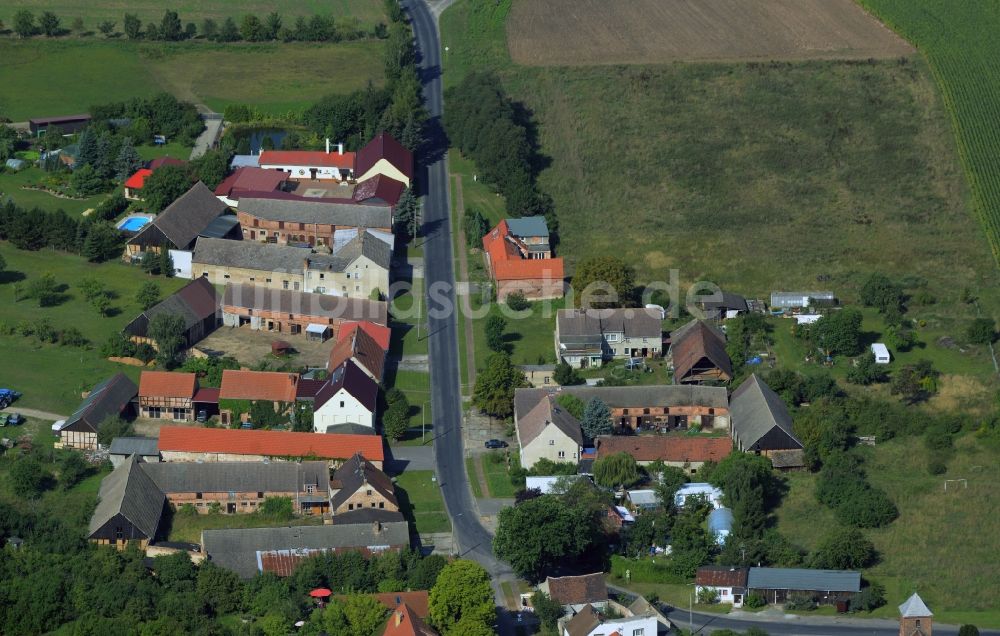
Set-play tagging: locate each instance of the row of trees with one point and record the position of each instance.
(497, 133)
(161, 114)
(32, 229)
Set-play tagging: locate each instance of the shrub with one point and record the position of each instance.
(800, 602)
(937, 439)
(868, 508)
(869, 598)
(754, 601)
(708, 596)
(517, 301)
(277, 508)
(981, 331)
(936, 467)
(187, 510)
(72, 337)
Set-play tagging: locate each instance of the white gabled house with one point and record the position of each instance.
(350, 396)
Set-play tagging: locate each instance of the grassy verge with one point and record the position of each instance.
(77, 74)
(470, 470)
(497, 477)
(420, 501)
(52, 376)
(188, 528)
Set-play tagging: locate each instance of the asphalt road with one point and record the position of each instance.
(472, 539)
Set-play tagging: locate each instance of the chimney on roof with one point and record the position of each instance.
(327, 145)
(340, 148)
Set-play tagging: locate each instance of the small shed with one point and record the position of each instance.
(711, 494)
(316, 332)
(643, 499)
(881, 353)
(280, 348)
(801, 299)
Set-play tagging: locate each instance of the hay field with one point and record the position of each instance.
(585, 32)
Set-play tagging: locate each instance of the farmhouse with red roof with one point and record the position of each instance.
(519, 258)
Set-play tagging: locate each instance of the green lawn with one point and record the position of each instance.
(173, 149)
(420, 501)
(470, 470)
(43, 78)
(11, 182)
(497, 477)
(943, 543)
(51, 376)
(367, 12)
(528, 338)
(188, 528)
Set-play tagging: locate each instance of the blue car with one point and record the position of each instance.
(7, 397)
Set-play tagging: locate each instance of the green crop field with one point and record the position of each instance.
(367, 12)
(960, 42)
(52, 376)
(43, 78)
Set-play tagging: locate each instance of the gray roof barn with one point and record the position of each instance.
(128, 491)
(529, 226)
(803, 579)
(239, 550)
(760, 419)
(141, 446)
(196, 303)
(272, 257)
(637, 396)
(534, 415)
(172, 477)
(324, 212)
(355, 473)
(107, 399)
(287, 301)
(185, 219)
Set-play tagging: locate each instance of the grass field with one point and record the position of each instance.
(754, 176)
(367, 12)
(42, 78)
(11, 182)
(497, 477)
(943, 542)
(420, 501)
(582, 32)
(959, 41)
(52, 376)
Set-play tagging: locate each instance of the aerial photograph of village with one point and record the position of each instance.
(500, 317)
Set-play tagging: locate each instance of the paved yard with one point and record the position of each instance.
(250, 346)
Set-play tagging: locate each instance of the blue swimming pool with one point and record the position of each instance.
(133, 223)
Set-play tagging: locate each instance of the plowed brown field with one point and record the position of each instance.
(584, 32)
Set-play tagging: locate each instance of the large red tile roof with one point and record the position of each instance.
(506, 262)
(668, 448)
(167, 384)
(381, 334)
(383, 146)
(270, 443)
(249, 179)
(403, 621)
(307, 158)
(271, 386)
(363, 349)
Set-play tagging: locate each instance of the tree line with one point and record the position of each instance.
(93, 237)
(487, 126)
(170, 28)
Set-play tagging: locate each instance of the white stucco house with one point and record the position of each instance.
(350, 396)
(546, 430)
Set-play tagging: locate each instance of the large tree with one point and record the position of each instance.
(462, 594)
(844, 549)
(161, 188)
(494, 390)
(839, 332)
(495, 326)
(544, 532)
(167, 330)
(128, 160)
(604, 281)
(616, 470)
(132, 26)
(596, 419)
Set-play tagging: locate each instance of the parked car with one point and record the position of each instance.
(496, 443)
(7, 397)
(246, 425)
(13, 419)
(202, 416)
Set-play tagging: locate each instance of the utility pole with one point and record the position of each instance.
(691, 613)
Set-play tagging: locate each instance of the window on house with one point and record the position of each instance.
(321, 276)
(562, 454)
(369, 492)
(350, 506)
(267, 280)
(119, 535)
(281, 225)
(341, 404)
(260, 494)
(381, 504)
(295, 286)
(310, 488)
(357, 288)
(225, 275)
(552, 442)
(197, 495)
(251, 279)
(638, 632)
(373, 504)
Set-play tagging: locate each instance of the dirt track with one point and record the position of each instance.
(585, 32)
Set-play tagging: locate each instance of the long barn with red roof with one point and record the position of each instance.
(191, 444)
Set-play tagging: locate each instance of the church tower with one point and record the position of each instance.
(914, 618)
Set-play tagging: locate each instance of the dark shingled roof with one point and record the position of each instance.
(576, 590)
(366, 515)
(756, 411)
(383, 146)
(300, 303)
(633, 322)
(655, 396)
(357, 473)
(187, 217)
(531, 422)
(721, 576)
(105, 400)
(362, 349)
(194, 302)
(803, 579)
(237, 550)
(352, 379)
(585, 622)
(381, 188)
(172, 477)
(130, 492)
(141, 446)
(341, 214)
(697, 340)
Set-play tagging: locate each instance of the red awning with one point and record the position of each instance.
(320, 592)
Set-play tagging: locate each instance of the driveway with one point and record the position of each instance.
(410, 458)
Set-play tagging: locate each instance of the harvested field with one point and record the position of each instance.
(585, 32)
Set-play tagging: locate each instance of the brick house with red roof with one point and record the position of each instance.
(386, 156)
(682, 451)
(167, 395)
(186, 444)
(244, 387)
(404, 621)
(133, 185)
(519, 259)
(359, 347)
(729, 582)
(311, 164)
